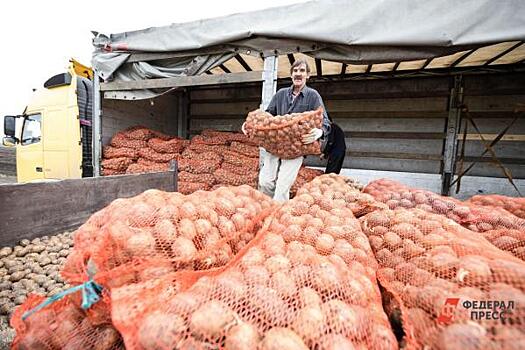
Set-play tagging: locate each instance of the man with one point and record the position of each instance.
(277, 175)
(335, 150)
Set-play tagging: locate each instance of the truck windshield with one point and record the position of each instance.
(31, 131)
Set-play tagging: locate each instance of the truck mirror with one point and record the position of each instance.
(9, 141)
(9, 125)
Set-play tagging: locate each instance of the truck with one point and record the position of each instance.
(53, 138)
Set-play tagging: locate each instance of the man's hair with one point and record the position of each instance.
(298, 63)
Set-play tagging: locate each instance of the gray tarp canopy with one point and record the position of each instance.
(347, 31)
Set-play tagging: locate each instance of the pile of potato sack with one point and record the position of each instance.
(226, 267)
(211, 159)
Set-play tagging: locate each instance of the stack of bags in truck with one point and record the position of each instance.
(210, 160)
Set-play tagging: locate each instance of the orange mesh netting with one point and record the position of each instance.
(64, 325)
(197, 166)
(185, 187)
(304, 176)
(446, 283)
(201, 147)
(118, 152)
(245, 149)
(236, 169)
(161, 135)
(201, 230)
(281, 135)
(231, 178)
(475, 218)
(185, 176)
(157, 157)
(109, 172)
(139, 133)
(240, 160)
(121, 140)
(138, 168)
(229, 136)
(190, 154)
(166, 146)
(306, 281)
(513, 205)
(119, 164)
(210, 140)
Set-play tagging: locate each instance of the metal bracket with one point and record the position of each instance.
(453, 122)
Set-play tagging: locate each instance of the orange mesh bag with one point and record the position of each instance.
(359, 203)
(445, 282)
(64, 325)
(165, 231)
(304, 176)
(512, 241)
(236, 169)
(147, 162)
(139, 133)
(190, 154)
(306, 281)
(110, 172)
(209, 140)
(185, 176)
(186, 187)
(119, 164)
(281, 135)
(119, 152)
(201, 147)
(240, 160)
(475, 218)
(226, 177)
(165, 146)
(513, 205)
(138, 168)
(229, 136)
(245, 149)
(157, 157)
(161, 135)
(121, 140)
(197, 166)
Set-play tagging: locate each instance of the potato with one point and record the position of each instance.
(160, 330)
(468, 335)
(242, 336)
(309, 324)
(211, 320)
(279, 338)
(349, 320)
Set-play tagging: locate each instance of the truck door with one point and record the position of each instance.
(57, 142)
(30, 162)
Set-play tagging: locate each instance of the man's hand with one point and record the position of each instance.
(313, 135)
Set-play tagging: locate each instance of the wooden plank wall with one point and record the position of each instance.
(391, 124)
(37, 209)
(158, 114)
(491, 101)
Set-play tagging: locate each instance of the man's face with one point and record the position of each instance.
(299, 76)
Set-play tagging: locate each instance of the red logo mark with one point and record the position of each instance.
(447, 313)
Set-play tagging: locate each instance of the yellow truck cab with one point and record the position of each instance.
(54, 141)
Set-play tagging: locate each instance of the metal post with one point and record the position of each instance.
(269, 88)
(181, 115)
(269, 76)
(97, 125)
(453, 122)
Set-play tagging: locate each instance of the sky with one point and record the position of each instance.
(39, 37)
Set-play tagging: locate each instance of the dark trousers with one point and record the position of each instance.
(335, 163)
